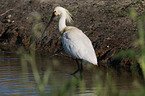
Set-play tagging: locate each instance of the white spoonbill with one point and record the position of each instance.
(74, 41)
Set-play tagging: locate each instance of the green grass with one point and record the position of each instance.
(74, 86)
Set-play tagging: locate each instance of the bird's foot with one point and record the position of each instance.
(74, 73)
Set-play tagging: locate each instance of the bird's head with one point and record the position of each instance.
(60, 11)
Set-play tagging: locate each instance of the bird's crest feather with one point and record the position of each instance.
(68, 16)
(66, 13)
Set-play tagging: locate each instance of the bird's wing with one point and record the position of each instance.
(70, 44)
(77, 44)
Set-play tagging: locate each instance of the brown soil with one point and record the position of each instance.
(106, 23)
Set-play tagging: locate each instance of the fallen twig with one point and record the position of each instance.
(7, 11)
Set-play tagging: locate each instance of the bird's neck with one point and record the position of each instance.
(62, 23)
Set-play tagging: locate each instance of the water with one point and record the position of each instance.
(15, 82)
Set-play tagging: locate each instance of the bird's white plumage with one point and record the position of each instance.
(74, 41)
(77, 44)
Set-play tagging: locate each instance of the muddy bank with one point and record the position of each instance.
(106, 23)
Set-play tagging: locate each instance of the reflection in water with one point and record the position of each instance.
(102, 80)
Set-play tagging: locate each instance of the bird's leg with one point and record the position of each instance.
(79, 68)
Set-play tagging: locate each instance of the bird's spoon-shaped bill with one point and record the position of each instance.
(53, 15)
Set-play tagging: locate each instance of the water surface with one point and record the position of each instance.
(15, 80)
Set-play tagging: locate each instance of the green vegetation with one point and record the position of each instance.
(77, 85)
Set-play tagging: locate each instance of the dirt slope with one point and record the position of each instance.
(106, 23)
